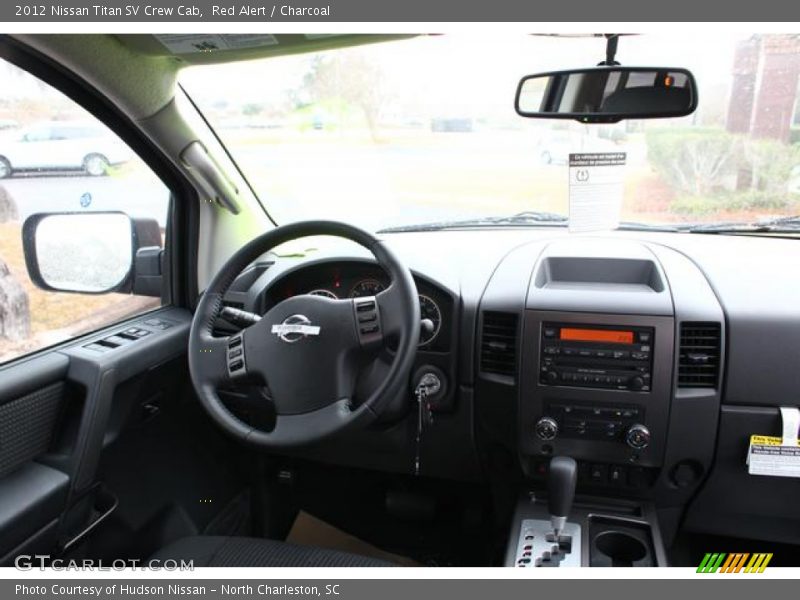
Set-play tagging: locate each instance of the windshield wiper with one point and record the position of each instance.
(632, 226)
(779, 225)
(532, 216)
(528, 217)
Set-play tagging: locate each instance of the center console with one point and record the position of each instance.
(597, 534)
(597, 359)
(596, 388)
(594, 375)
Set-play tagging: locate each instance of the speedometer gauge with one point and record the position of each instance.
(367, 287)
(429, 310)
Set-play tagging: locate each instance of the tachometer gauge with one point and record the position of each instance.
(367, 287)
(323, 292)
(429, 310)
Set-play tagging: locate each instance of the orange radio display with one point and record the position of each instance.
(597, 335)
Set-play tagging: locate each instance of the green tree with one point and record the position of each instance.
(252, 109)
(693, 160)
(352, 78)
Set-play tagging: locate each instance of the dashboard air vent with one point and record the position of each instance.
(499, 344)
(699, 355)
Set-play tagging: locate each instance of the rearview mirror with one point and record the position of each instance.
(90, 253)
(607, 94)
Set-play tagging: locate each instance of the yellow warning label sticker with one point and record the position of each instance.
(767, 440)
(768, 456)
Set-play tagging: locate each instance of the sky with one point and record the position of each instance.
(454, 74)
(462, 71)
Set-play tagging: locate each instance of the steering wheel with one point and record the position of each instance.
(307, 350)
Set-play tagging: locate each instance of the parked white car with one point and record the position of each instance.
(61, 146)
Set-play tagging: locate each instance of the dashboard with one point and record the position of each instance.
(649, 357)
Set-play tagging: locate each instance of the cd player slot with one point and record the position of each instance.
(596, 356)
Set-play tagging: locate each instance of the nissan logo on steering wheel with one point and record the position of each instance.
(295, 328)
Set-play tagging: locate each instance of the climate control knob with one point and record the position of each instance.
(638, 437)
(546, 429)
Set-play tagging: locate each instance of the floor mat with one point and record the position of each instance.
(310, 531)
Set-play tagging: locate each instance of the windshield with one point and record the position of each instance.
(424, 130)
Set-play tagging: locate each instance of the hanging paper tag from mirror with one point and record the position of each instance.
(777, 456)
(595, 190)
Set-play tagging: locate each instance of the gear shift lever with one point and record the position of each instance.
(560, 491)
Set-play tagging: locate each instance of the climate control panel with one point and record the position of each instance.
(594, 422)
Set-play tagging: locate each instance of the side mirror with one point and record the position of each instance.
(93, 253)
(607, 94)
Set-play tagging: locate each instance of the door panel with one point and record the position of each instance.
(32, 397)
(79, 371)
(27, 425)
(58, 413)
(34, 497)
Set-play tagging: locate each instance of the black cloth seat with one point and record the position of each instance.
(220, 551)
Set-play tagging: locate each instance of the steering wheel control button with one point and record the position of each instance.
(638, 437)
(365, 305)
(367, 320)
(546, 429)
(235, 357)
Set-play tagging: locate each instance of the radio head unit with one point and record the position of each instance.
(596, 356)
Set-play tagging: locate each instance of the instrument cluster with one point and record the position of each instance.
(354, 280)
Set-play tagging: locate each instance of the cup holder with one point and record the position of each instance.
(623, 549)
(620, 543)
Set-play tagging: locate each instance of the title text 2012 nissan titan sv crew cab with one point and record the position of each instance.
(353, 301)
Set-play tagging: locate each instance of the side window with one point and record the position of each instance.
(77, 211)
